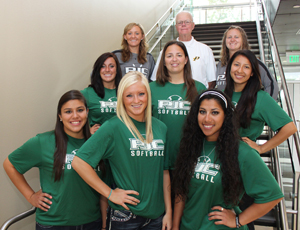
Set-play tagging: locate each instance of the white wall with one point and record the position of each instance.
(46, 49)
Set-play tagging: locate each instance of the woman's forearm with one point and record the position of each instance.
(18, 180)
(178, 212)
(89, 175)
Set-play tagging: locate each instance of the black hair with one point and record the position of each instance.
(61, 138)
(227, 147)
(96, 80)
(246, 104)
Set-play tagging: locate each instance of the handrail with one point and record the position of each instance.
(260, 41)
(164, 32)
(283, 80)
(282, 210)
(17, 218)
(158, 24)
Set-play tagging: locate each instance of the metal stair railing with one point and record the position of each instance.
(17, 218)
(158, 31)
(294, 157)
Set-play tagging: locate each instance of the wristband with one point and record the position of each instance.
(109, 194)
(237, 221)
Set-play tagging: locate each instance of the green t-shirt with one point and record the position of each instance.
(267, 111)
(74, 202)
(100, 109)
(134, 165)
(169, 105)
(205, 190)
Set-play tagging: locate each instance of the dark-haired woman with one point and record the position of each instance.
(234, 39)
(134, 56)
(254, 106)
(64, 201)
(101, 95)
(173, 92)
(214, 168)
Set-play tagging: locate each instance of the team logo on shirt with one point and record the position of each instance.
(108, 106)
(174, 105)
(153, 149)
(221, 79)
(196, 58)
(206, 170)
(140, 69)
(69, 159)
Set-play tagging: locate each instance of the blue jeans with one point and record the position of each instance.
(126, 220)
(95, 225)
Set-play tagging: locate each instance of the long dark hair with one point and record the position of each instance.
(246, 104)
(226, 150)
(163, 73)
(96, 80)
(61, 138)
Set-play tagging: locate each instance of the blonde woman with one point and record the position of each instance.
(133, 142)
(133, 56)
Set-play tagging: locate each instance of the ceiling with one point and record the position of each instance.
(285, 27)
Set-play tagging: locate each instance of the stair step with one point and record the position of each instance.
(267, 220)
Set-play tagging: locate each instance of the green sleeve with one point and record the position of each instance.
(27, 156)
(200, 87)
(99, 146)
(259, 183)
(269, 111)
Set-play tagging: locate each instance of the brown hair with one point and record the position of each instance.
(163, 76)
(225, 51)
(143, 48)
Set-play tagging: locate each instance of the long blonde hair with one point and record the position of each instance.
(225, 51)
(129, 79)
(143, 48)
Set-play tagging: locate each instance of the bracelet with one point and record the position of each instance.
(237, 221)
(109, 194)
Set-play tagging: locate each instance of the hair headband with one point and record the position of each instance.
(216, 94)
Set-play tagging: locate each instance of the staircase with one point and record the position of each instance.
(212, 34)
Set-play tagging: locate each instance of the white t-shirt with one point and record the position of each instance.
(202, 62)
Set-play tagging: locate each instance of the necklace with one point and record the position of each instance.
(205, 157)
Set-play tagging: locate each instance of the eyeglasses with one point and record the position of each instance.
(186, 22)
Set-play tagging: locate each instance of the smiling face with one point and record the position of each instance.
(73, 116)
(135, 100)
(108, 73)
(233, 40)
(240, 72)
(134, 37)
(184, 24)
(175, 59)
(210, 118)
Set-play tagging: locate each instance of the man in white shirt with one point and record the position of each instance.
(201, 56)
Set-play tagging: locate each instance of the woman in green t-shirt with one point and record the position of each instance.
(173, 92)
(64, 201)
(101, 94)
(214, 168)
(133, 142)
(254, 106)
